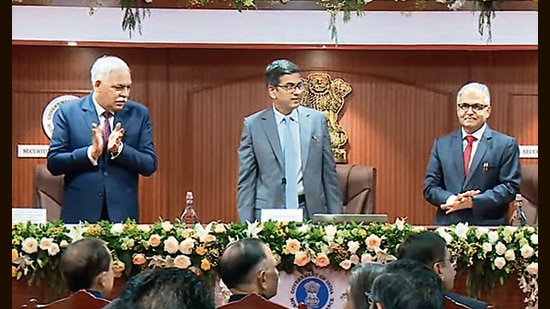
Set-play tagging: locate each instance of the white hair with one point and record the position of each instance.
(104, 65)
(477, 87)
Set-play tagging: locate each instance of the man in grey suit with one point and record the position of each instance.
(474, 172)
(285, 158)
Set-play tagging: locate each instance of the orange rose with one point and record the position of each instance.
(200, 250)
(321, 260)
(205, 264)
(14, 255)
(373, 242)
(301, 258)
(292, 246)
(138, 259)
(154, 240)
(209, 238)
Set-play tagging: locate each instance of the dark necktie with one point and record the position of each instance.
(106, 127)
(468, 153)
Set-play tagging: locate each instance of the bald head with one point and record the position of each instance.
(83, 261)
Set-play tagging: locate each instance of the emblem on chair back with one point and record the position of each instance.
(327, 95)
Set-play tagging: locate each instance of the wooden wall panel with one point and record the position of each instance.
(401, 101)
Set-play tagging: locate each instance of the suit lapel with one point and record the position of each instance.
(90, 113)
(482, 147)
(457, 154)
(304, 122)
(270, 129)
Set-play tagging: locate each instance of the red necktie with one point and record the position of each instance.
(106, 127)
(468, 152)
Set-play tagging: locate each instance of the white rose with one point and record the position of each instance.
(493, 236)
(500, 248)
(117, 228)
(220, 228)
(366, 258)
(526, 251)
(500, 262)
(146, 228)
(303, 228)
(487, 247)
(167, 226)
(45, 243)
(29, 245)
(354, 259)
(535, 239)
(532, 268)
(509, 230)
(509, 255)
(480, 231)
(530, 229)
(353, 246)
(53, 249)
(171, 245)
(64, 244)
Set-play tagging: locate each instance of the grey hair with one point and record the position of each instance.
(103, 66)
(476, 87)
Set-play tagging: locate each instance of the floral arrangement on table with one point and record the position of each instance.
(135, 11)
(491, 254)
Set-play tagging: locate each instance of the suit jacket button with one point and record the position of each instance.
(105, 173)
(100, 193)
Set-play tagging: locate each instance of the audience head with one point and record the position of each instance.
(248, 266)
(473, 102)
(111, 81)
(407, 284)
(87, 264)
(164, 288)
(360, 281)
(430, 249)
(284, 85)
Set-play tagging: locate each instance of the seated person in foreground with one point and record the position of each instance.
(87, 264)
(431, 249)
(360, 282)
(248, 266)
(164, 288)
(406, 284)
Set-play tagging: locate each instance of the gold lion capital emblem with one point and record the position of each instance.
(327, 95)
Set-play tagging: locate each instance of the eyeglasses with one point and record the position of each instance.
(452, 261)
(475, 107)
(292, 87)
(370, 301)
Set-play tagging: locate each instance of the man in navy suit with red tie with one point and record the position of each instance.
(473, 173)
(101, 143)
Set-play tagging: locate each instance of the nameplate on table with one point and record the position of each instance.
(32, 151)
(35, 215)
(529, 151)
(282, 215)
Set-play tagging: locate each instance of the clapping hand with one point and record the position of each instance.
(97, 141)
(115, 138)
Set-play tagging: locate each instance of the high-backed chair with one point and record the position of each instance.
(79, 300)
(358, 184)
(252, 301)
(48, 191)
(529, 190)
